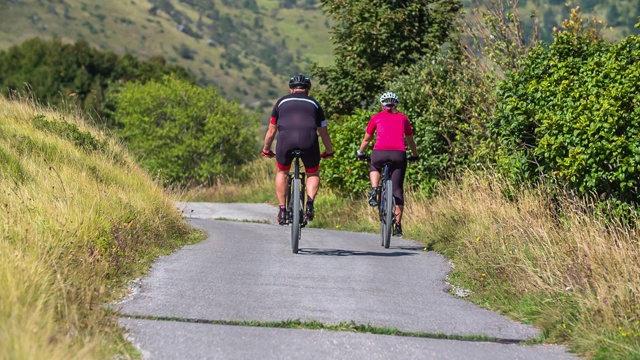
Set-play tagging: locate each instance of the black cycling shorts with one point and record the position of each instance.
(397, 169)
(292, 140)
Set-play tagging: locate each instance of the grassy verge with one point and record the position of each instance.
(539, 261)
(542, 262)
(79, 219)
(255, 186)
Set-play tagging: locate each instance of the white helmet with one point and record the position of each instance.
(389, 98)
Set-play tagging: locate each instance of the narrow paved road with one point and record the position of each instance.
(245, 272)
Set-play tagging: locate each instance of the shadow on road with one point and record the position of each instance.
(342, 252)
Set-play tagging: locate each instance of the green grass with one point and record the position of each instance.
(79, 220)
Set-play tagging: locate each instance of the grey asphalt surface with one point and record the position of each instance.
(246, 272)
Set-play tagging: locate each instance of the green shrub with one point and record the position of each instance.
(572, 114)
(81, 139)
(182, 133)
(447, 99)
(343, 172)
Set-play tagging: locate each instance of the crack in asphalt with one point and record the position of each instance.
(341, 327)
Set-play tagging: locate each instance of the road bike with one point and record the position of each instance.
(295, 200)
(386, 201)
(386, 204)
(295, 197)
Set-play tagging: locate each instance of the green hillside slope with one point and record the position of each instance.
(249, 51)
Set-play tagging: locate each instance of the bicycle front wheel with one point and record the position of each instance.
(295, 219)
(388, 213)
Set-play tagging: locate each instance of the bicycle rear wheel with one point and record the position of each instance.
(381, 214)
(388, 213)
(295, 219)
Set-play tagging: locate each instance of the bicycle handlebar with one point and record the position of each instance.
(271, 154)
(368, 158)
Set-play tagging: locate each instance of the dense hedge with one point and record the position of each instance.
(184, 134)
(343, 171)
(572, 114)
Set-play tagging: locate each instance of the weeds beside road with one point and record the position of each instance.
(79, 219)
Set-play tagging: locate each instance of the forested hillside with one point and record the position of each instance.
(246, 48)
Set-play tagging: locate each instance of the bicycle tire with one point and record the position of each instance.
(388, 213)
(295, 211)
(381, 207)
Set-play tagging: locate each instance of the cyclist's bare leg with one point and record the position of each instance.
(313, 183)
(281, 185)
(374, 176)
(398, 211)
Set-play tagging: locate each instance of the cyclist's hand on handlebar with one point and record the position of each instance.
(413, 158)
(361, 156)
(326, 155)
(268, 154)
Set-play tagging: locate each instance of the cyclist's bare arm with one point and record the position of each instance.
(412, 144)
(326, 139)
(365, 142)
(269, 137)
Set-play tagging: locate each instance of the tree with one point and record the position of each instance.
(184, 134)
(447, 99)
(375, 41)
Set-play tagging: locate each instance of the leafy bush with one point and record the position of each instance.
(572, 113)
(82, 139)
(184, 134)
(447, 99)
(343, 172)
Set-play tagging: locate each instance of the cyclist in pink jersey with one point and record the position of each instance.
(392, 129)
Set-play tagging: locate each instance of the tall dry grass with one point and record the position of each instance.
(253, 182)
(541, 259)
(77, 222)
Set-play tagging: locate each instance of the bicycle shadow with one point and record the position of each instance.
(408, 251)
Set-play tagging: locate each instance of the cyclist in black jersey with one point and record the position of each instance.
(298, 119)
